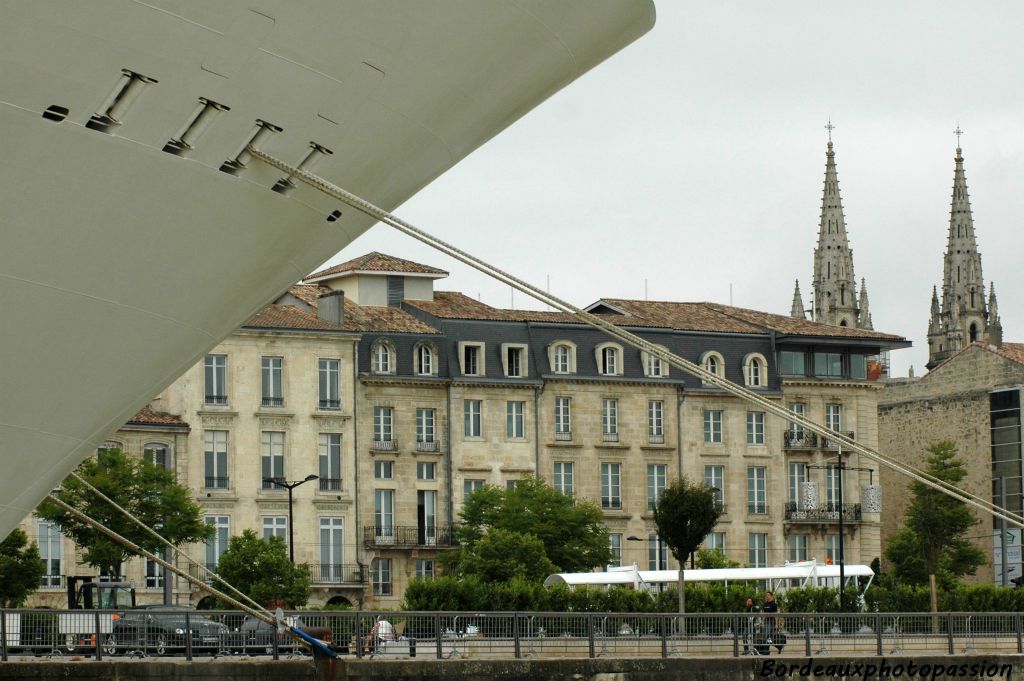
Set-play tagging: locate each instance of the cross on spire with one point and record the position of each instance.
(958, 132)
(831, 127)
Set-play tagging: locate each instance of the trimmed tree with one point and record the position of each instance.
(148, 492)
(933, 541)
(684, 515)
(20, 569)
(260, 568)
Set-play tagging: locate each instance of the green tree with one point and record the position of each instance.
(684, 515)
(20, 569)
(933, 543)
(712, 559)
(261, 569)
(489, 560)
(148, 492)
(571, 531)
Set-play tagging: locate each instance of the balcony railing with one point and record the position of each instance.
(563, 435)
(656, 439)
(826, 443)
(408, 536)
(799, 439)
(216, 483)
(336, 573)
(197, 572)
(330, 484)
(385, 445)
(51, 582)
(610, 437)
(757, 509)
(268, 483)
(611, 503)
(330, 405)
(272, 402)
(217, 399)
(428, 446)
(826, 513)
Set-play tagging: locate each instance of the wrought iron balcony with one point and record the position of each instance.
(216, 483)
(799, 439)
(610, 437)
(826, 513)
(656, 439)
(268, 483)
(217, 399)
(413, 536)
(330, 484)
(611, 503)
(272, 401)
(337, 573)
(330, 405)
(385, 445)
(428, 446)
(826, 443)
(757, 509)
(563, 435)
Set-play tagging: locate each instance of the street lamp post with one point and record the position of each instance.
(291, 525)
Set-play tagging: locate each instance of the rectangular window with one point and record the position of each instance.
(215, 370)
(384, 470)
(426, 517)
(216, 458)
(272, 370)
(425, 425)
(157, 455)
(396, 290)
(609, 361)
(615, 546)
(714, 477)
(832, 487)
(471, 360)
(514, 362)
(797, 544)
(383, 426)
(384, 515)
(50, 551)
(330, 383)
(797, 476)
(858, 366)
(471, 413)
(757, 500)
(275, 526)
(563, 418)
(796, 431)
(655, 421)
(657, 474)
(611, 485)
(715, 541)
(218, 542)
(426, 470)
(755, 427)
(828, 364)
(832, 549)
(154, 574)
(654, 366)
(382, 577)
(561, 359)
(610, 418)
(757, 549)
(515, 415)
(792, 363)
(330, 461)
(563, 477)
(424, 568)
(332, 544)
(272, 445)
(470, 486)
(712, 426)
(834, 416)
(657, 553)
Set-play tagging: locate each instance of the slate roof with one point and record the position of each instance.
(377, 262)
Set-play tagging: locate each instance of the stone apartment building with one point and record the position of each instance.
(403, 400)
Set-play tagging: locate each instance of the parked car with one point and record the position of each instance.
(160, 630)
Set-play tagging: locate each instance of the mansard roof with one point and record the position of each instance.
(377, 262)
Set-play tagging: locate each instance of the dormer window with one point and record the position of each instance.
(471, 359)
(383, 358)
(654, 367)
(562, 357)
(609, 359)
(755, 370)
(424, 359)
(713, 363)
(514, 359)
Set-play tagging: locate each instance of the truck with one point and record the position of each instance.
(76, 628)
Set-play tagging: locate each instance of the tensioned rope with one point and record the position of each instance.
(842, 440)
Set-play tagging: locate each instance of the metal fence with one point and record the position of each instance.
(157, 631)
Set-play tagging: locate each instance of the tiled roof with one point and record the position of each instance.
(308, 293)
(357, 319)
(292, 317)
(377, 262)
(1013, 351)
(792, 325)
(680, 316)
(386, 319)
(147, 416)
(455, 305)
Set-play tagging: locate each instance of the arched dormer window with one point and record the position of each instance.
(609, 359)
(713, 363)
(562, 357)
(383, 358)
(755, 370)
(425, 359)
(654, 367)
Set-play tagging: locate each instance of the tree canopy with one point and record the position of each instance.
(20, 569)
(261, 569)
(529, 530)
(932, 546)
(145, 490)
(684, 515)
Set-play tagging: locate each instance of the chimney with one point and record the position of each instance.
(330, 307)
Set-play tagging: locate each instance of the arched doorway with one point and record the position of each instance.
(206, 603)
(340, 603)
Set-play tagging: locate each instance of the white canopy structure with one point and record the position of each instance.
(806, 573)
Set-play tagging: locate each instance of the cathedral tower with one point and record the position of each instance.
(964, 316)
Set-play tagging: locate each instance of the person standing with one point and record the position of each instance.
(771, 610)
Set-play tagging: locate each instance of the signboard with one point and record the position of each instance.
(1011, 541)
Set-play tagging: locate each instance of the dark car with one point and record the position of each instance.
(162, 630)
(256, 637)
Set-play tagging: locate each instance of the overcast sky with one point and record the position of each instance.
(694, 160)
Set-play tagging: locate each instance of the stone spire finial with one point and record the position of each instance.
(864, 320)
(995, 324)
(797, 310)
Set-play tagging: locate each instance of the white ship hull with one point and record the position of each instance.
(121, 264)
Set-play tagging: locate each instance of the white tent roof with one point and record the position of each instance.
(628, 575)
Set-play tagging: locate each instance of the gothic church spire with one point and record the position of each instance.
(797, 310)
